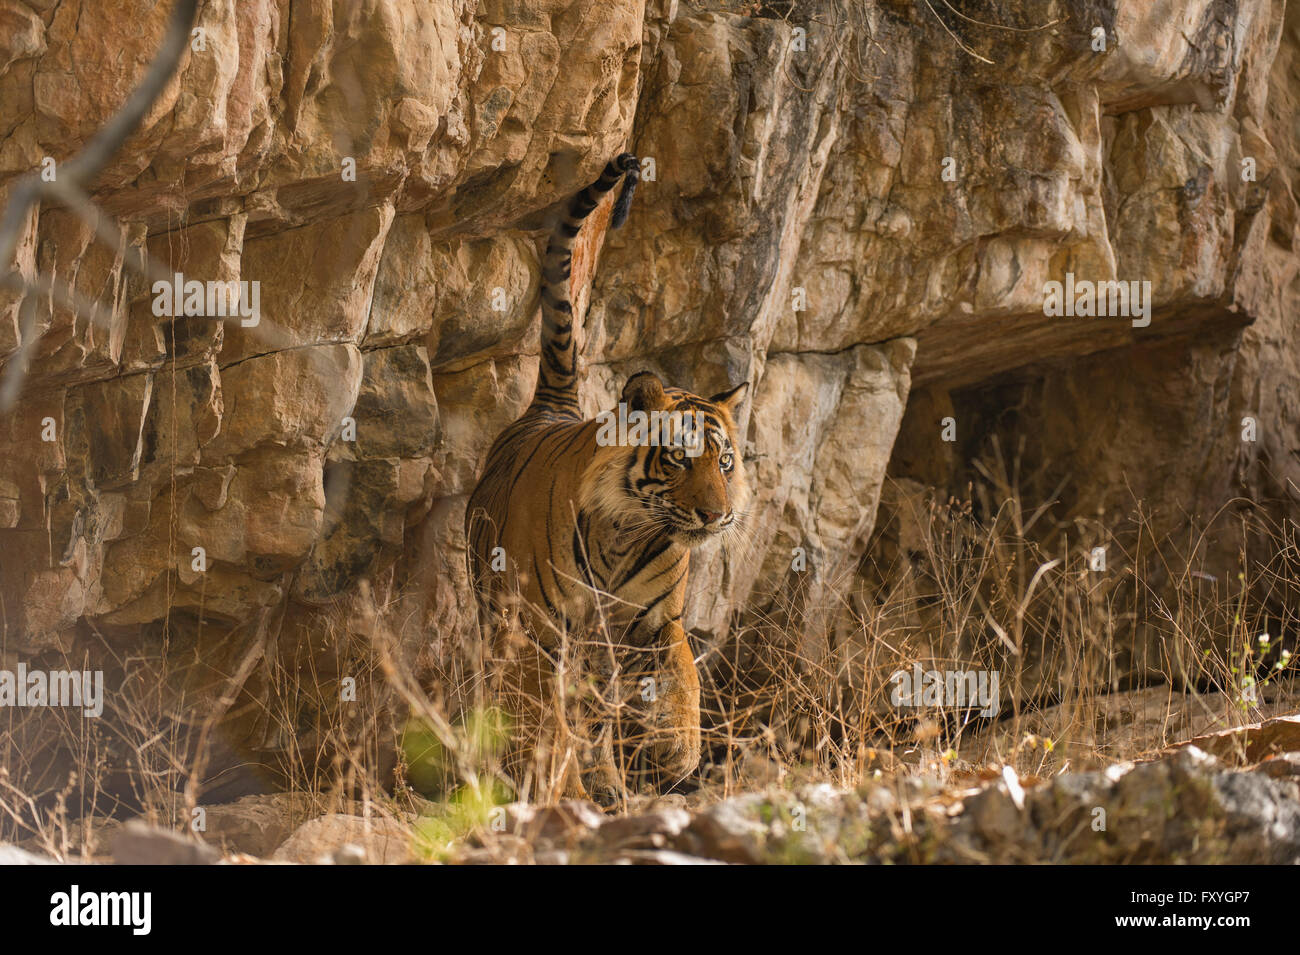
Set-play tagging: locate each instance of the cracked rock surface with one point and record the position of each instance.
(798, 231)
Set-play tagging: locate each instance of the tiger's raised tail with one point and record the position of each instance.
(557, 374)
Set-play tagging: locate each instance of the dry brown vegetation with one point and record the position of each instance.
(1094, 666)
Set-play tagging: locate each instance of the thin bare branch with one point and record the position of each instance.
(77, 173)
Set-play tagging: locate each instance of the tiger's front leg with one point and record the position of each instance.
(544, 756)
(663, 747)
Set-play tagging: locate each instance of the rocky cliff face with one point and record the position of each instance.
(841, 204)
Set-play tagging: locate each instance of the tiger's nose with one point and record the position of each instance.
(709, 517)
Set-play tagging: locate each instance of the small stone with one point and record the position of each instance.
(139, 843)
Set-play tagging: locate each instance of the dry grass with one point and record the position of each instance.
(342, 713)
(991, 584)
(803, 693)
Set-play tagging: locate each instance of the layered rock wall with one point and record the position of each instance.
(850, 204)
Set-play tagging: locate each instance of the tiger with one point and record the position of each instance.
(578, 550)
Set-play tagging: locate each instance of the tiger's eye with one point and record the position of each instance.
(725, 461)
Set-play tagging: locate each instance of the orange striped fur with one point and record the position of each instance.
(578, 553)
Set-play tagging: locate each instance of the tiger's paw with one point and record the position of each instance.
(604, 787)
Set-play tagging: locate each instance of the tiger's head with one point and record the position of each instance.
(682, 473)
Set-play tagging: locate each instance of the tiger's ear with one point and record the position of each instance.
(731, 399)
(644, 392)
